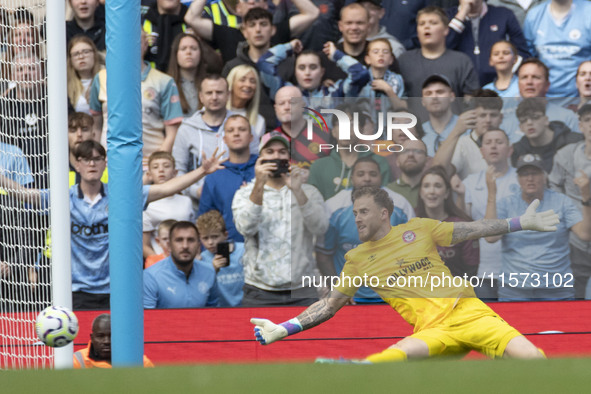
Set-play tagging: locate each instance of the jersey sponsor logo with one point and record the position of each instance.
(558, 51)
(422, 265)
(409, 236)
(95, 229)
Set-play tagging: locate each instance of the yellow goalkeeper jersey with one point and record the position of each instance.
(405, 269)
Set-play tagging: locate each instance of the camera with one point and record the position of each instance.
(282, 166)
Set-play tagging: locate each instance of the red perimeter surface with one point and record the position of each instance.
(226, 335)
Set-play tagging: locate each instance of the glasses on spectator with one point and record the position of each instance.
(532, 117)
(417, 152)
(95, 160)
(82, 52)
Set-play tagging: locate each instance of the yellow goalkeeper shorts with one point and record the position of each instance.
(471, 326)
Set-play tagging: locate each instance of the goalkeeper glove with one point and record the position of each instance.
(532, 220)
(267, 332)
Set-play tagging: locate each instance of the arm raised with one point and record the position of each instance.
(530, 220)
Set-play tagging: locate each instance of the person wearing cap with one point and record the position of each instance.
(220, 187)
(434, 57)
(474, 28)
(572, 166)
(278, 215)
(535, 265)
(541, 136)
(438, 97)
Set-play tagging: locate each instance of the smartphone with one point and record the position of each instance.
(282, 166)
(224, 250)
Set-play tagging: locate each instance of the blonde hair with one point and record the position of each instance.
(252, 108)
(75, 88)
(211, 221)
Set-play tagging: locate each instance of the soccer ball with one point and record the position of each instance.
(56, 326)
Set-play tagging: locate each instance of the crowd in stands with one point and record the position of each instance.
(247, 190)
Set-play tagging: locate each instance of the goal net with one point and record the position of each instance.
(25, 261)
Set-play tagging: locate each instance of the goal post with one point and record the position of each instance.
(58, 163)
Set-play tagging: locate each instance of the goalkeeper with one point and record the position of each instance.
(448, 319)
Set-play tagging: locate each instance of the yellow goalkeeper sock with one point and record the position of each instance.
(387, 356)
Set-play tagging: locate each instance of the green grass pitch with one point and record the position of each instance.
(433, 376)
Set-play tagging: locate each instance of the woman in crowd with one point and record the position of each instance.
(436, 202)
(83, 64)
(190, 60)
(245, 91)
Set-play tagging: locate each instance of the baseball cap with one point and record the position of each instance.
(273, 136)
(436, 78)
(529, 159)
(374, 2)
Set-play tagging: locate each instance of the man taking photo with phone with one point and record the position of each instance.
(277, 230)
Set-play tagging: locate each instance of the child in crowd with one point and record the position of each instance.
(503, 56)
(161, 168)
(162, 241)
(229, 274)
(382, 81)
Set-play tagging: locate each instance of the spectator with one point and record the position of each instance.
(161, 109)
(463, 151)
(163, 240)
(325, 27)
(476, 26)
(23, 114)
(496, 151)
(85, 22)
(161, 169)
(438, 97)
(163, 21)
(541, 136)
(220, 187)
(503, 57)
(354, 26)
(278, 235)
(533, 81)
(374, 31)
(583, 85)
(434, 58)
(80, 129)
(226, 12)
(24, 34)
(229, 275)
(519, 7)
(332, 174)
(412, 161)
(383, 83)
(572, 164)
(309, 71)
(98, 352)
(289, 109)
(83, 65)
(342, 234)
(245, 92)
(180, 281)
(258, 29)
(190, 60)
(559, 34)
(400, 20)
(90, 249)
(531, 252)
(436, 202)
(226, 38)
(200, 134)
(399, 137)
